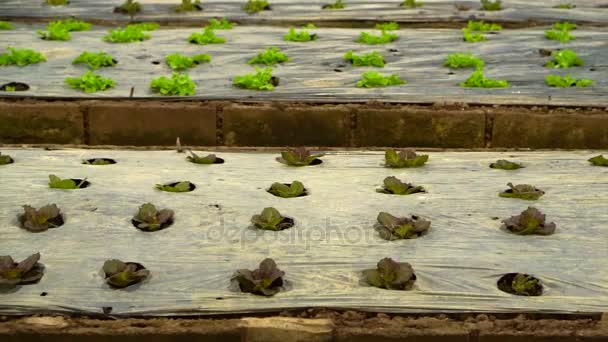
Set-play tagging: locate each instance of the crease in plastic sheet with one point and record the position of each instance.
(457, 263)
(317, 70)
(284, 11)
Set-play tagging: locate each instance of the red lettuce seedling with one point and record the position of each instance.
(265, 281)
(505, 165)
(520, 284)
(530, 221)
(404, 158)
(396, 228)
(42, 219)
(271, 219)
(28, 271)
(149, 219)
(522, 191)
(598, 160)
(123, 274)
(394, 186)
(6, 159)
(295, 189)
(391, 275)
(208, 159)
(300, 156)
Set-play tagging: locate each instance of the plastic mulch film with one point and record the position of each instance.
(457, 263)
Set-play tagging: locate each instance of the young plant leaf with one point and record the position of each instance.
(5, 159)
(368, 59)
(206, 37)
(482, 26)
(489, 5)
(371, 39)
(271, 219)
(177, 85)
(270, 56)
(130, 7)
(520, 284)
(95, 60)
(5, 25)
(28, 271)
(42, 219)
(295, 189)
(565, 6)
(267, 280)
(599, 161)
(208, 159)
(396, 228)
(530, 221)
(391, 275)
(564, 59)
(567, 81)
(90, 82)
(66, 184)
(479, 80)
(522, 191)
(339, 4)
(60, 30)
(505, 165)
(390, 26)
(178, 62)
(184, 186)
(463, 60)
(394, 186)
(299, 36)
(404, 158)
(472, 36)
(120, 274)
(149, 219)
(300, 156)
(254, 6)
(188, 6)
(374, 79)
(21, 57)
(411, 3)
(260, 80)
(221, 24)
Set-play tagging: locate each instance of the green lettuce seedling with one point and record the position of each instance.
(149, 219)
(373, 79)
(28, 271)
(177, 85)
(483, 26)
(130, 7)
(60, 30)
(488, 5)
(184, 186)
(10, 88)
(523, 285)
(411, 4)
(260, 80)
(300, 156)
(404, 158)
(126, 35)
(505, 165)
(522, 191)
(206, 37)
(254, 6)
(368, 59)
(463, 60)
(561, 32)
(178, 62)
(66, 184)
(189, 5)
(206, 160)
(396, 228)
(478, 80)
(145, 26)
(120, 274)
(267, 280)
(5, 159)
(530, 221)
(21, 57)
(295, 189)
(5, 25)
(564, 26)
(392, 185)
(391, 275)
(371, 39)
(90, 82)
(599, 160)
(564, 59)
(390, 26)
(95, 60)
(99, 161)
(271, 219)
(299, 36)
(270, 56)
(566, 81)
(57, 2)
(221, 24)
(472, 37)
(565, 6)
(39, 220)
(339, 4)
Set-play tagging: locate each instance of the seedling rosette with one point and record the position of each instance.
(564, 59)
(288, 190)
(530, 221)
(95, 60)
(183, 186)
(522, 191)
(90, 82)
(489, 5)
(39, 220)
(149, 219)
(505, 165)
(371, 39)
(120, 274)
(411, 3)
(60, 30)
(188, 6)
(391, 275)
(373, 79)
(260, 80)
(368, 59)
(99, 161)
(567, 81)
(5, 25)
(21, 57)
(271, 219)
(177, 85)
(520, 284)
(392, 185)
(130, 7)
(270, 56)
(404, 158)
(598, 161)
(254, 6)
(220, 24)
(178, 62)
(5, 159)
(300, 156)
(396, 228)
(299, 36)
(267, 280)
(68, 183)
(339, 4)
(463, 60)
(479, 80)
(206, 37)
(206, 160)
(28, 271)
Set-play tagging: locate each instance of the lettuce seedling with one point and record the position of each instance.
(267, 280)
(221, 24)
(566, 81)
(392, 185)
(598, 160)
(295, 189)
(391, 275)
(177, 85)
(520, 284)
(339, 4)
(189, 5)
(565, 6)
(254, 6)
(21, 57)
(271, 219)
(368, 59)
(483, 26)
(130, 7)
(404, 158)
(90, 82)
(411, 4)
(41, 219)
(184, 186)
(462, 60)
(57, 2)
(371, 39)
(28, 271)
(208, 159)
(178, 62)
(95, 60)
(564, 26)
(299, 36)
(261, 80)
(300, 156)
(505, 165)
(206, 37)
(149, 219)
(270, 56)
(60, 30)
(5, 159)
(126, 35)
(488, 5)
(120, 274)
(564, 59)
(396, 228)
(99, 161)
(472, 36)
(373, 79)
(530, 221)
(67, 184)
(390, 26)
(561, 32)
(5, 25)
(150, 26)
(478, 80)
(522, 191)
